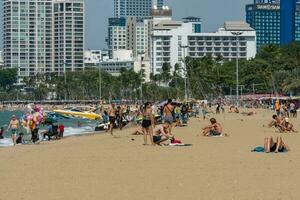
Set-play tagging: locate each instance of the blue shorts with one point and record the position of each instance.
(156, 138)
(169, 119)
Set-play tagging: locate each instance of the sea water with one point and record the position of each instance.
(73, 126)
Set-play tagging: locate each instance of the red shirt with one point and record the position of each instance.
(61, 128)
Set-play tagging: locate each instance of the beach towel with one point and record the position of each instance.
(222, 135)
(258, 149)
(180, 145)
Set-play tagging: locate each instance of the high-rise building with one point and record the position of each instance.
(290, 21)
(41, 36)
(117, 35)
(27, 36)
(264, 17)
(297, 22)
(69, 35)
(135, 8)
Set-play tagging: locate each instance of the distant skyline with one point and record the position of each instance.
(213, 15)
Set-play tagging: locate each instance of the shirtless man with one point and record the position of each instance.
(277, 122)
(167, 114)
(14, 127)
(161, 134)
(112, 117)
(288, 126)
(215, 129)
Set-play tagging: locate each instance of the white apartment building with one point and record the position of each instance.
(68, 35)
(138, 35)
(125, 59)
(92, 58)
(27, 36)
(117, 35)
(174, 40)
(40, 36)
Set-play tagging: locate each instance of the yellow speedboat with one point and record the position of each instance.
(80, 112)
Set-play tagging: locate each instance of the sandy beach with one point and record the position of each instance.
(101, 167)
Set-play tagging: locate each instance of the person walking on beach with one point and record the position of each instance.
(148, 123)
(14, 127)
(204, 110)
(168, 114)
(277, 107)
(112, 117)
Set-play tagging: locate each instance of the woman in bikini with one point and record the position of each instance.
(148, 123)
(112, 118)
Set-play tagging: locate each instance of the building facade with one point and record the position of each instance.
(68, 35)
(264, 17)
(117, 35)
(289, 25)
(40, 36)
(27, 36)
(297, 22)
(135, 8)
(174, 40)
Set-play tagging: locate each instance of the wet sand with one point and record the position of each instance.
(102, 167)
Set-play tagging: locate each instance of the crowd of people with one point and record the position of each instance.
(156, 122)
(15, 129)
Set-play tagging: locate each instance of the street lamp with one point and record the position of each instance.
(65, 79)
(141, 73)
(237, 65)
(100, 81)
(184, 47)
(142, 59)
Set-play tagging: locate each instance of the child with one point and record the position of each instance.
(61, 130)
(215, 129)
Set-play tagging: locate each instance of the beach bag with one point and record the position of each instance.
(258, 149)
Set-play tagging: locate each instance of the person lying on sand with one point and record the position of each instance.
(288, 126)
(277, 122)
(161, 133)
(278, 146)
(215, 129)
(251, 113)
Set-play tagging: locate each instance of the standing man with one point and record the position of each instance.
(14, 127)
(168, 114)
(112, 117)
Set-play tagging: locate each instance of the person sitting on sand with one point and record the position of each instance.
(161, 134)
(20, 139)
(277, 122)
(215, 129)
(278, 146)
(233, 109)
(288, 126)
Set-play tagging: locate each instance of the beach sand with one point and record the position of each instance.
(102, 167)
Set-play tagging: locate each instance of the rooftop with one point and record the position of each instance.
(237, 26)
